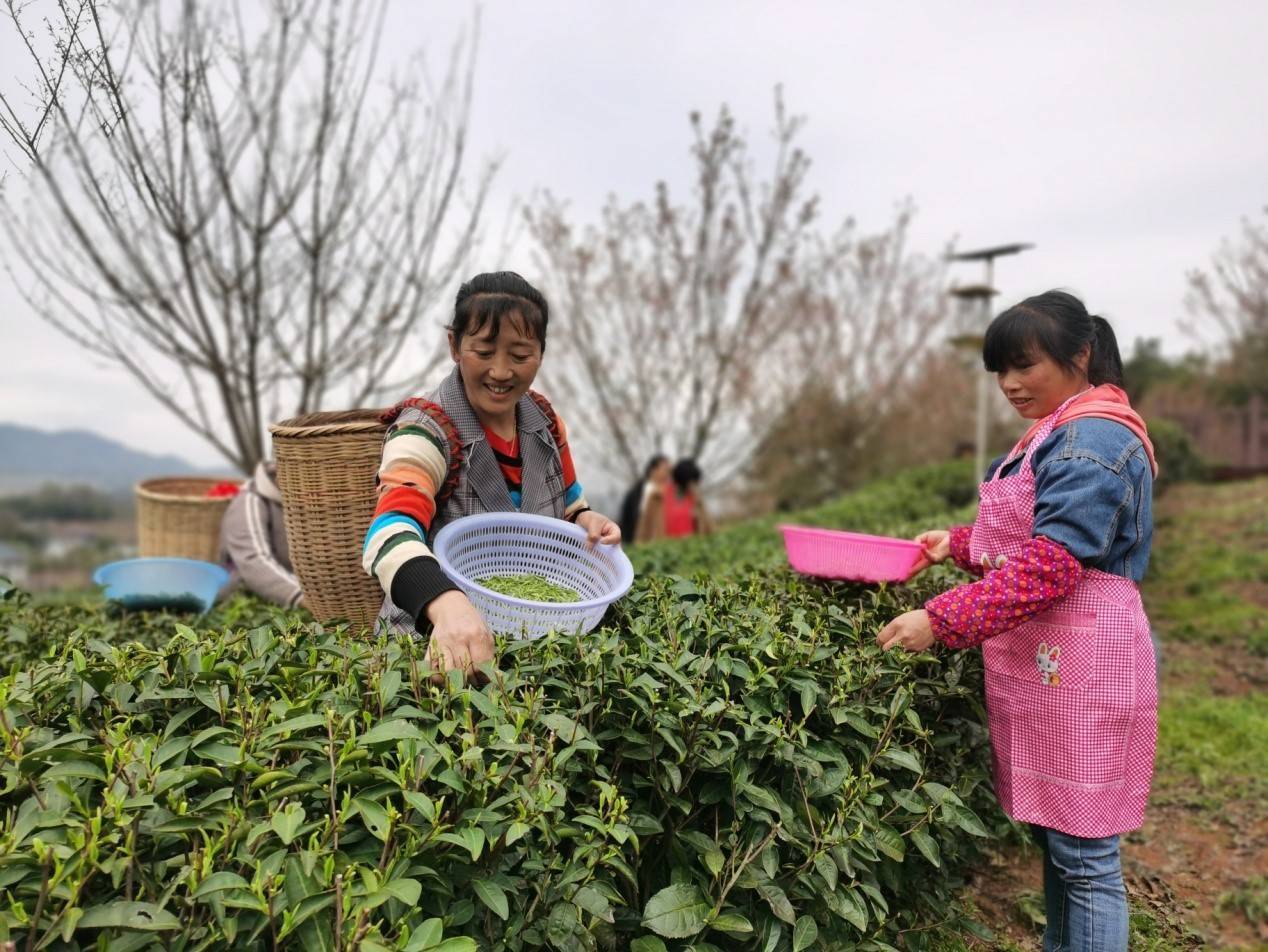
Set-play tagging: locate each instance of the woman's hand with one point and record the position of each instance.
(910, 630)
(599, 528)
(460, 638)
(937, 548)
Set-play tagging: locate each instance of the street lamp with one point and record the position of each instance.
(969, 340)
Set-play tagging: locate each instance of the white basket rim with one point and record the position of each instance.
(625, 570)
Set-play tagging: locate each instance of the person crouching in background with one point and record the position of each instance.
(253, 544)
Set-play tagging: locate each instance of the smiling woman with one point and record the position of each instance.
(483, 442)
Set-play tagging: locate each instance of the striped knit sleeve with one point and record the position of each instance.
(415, 464)
(574, 496)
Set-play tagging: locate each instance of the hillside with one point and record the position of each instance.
(30, 457)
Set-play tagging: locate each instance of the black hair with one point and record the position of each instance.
(685, 473)
(1057, 324)
(487, 298)
(653, 463)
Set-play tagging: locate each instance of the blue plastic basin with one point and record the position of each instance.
(153, 583)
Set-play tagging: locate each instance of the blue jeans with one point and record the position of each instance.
(1084, 895)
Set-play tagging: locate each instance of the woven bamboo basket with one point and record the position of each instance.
(326, 463)
(176, 519)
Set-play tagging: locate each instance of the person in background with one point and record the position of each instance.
(674, 510)
(253, 544)
(655, 475)
(1059, 547)
(483, 442)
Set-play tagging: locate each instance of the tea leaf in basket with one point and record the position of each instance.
(532, 588)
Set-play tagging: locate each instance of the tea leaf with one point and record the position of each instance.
(676, 912)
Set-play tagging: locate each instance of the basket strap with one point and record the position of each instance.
(452, 438)
(552, 418)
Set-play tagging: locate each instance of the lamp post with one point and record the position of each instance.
(970, 340)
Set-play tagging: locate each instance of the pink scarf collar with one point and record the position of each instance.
(1105, 402)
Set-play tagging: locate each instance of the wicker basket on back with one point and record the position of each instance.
(326, 463)
(177, 519)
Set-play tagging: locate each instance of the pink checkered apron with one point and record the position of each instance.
(1071, 694)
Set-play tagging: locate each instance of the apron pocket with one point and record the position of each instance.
(1083, 745)
(1066, 722)
(1056, 651)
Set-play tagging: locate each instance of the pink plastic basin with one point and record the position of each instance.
(828, 553)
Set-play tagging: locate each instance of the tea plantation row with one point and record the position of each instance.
(728, 762)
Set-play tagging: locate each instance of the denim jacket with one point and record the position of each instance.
(1094, 495)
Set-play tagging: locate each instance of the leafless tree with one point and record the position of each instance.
(1228, 307)
(691, 327)
(862, 366)
(235, 204)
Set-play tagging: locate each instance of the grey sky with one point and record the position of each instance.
(1126, 141)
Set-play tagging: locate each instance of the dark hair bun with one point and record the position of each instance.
(503, 282)
(487, 298)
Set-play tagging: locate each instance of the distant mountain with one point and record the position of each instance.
(30, 457)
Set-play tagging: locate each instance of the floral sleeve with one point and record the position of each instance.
(960, 536)
(1004, 598)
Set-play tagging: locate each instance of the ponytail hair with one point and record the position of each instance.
(1106, 364)
(1055, 324)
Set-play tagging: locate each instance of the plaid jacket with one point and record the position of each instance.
(480, 485)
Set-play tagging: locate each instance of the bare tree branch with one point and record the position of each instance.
(230, 203)
(693, 326)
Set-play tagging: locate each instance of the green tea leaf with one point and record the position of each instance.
(732, 922)
(217, 882)
(805, 932)
(968, 821)
(676, 912)
(386, 732)
(296, 725)
(890, 842)
(406, 890)
(286, 822)
(827, 869)
(142, 916)
(903, 758)
(375, 817)
(593, 902)
(493, 896)
(927, 845)
(569, 731)
(714, 860)
(516, 831)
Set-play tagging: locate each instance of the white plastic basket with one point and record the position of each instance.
(506, 543)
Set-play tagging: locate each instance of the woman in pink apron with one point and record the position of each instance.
(1061, 541)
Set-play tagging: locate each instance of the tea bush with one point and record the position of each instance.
(728, 762)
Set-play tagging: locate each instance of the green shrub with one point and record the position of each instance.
(732, 763)
(728, 762)
(33, 628)
(1178, 458)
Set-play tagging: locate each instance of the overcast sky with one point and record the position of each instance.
(1125, 140)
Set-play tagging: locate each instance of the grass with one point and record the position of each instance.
(1251, 901)
(1147, 931)
(1209, 572)
(1216, 743)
